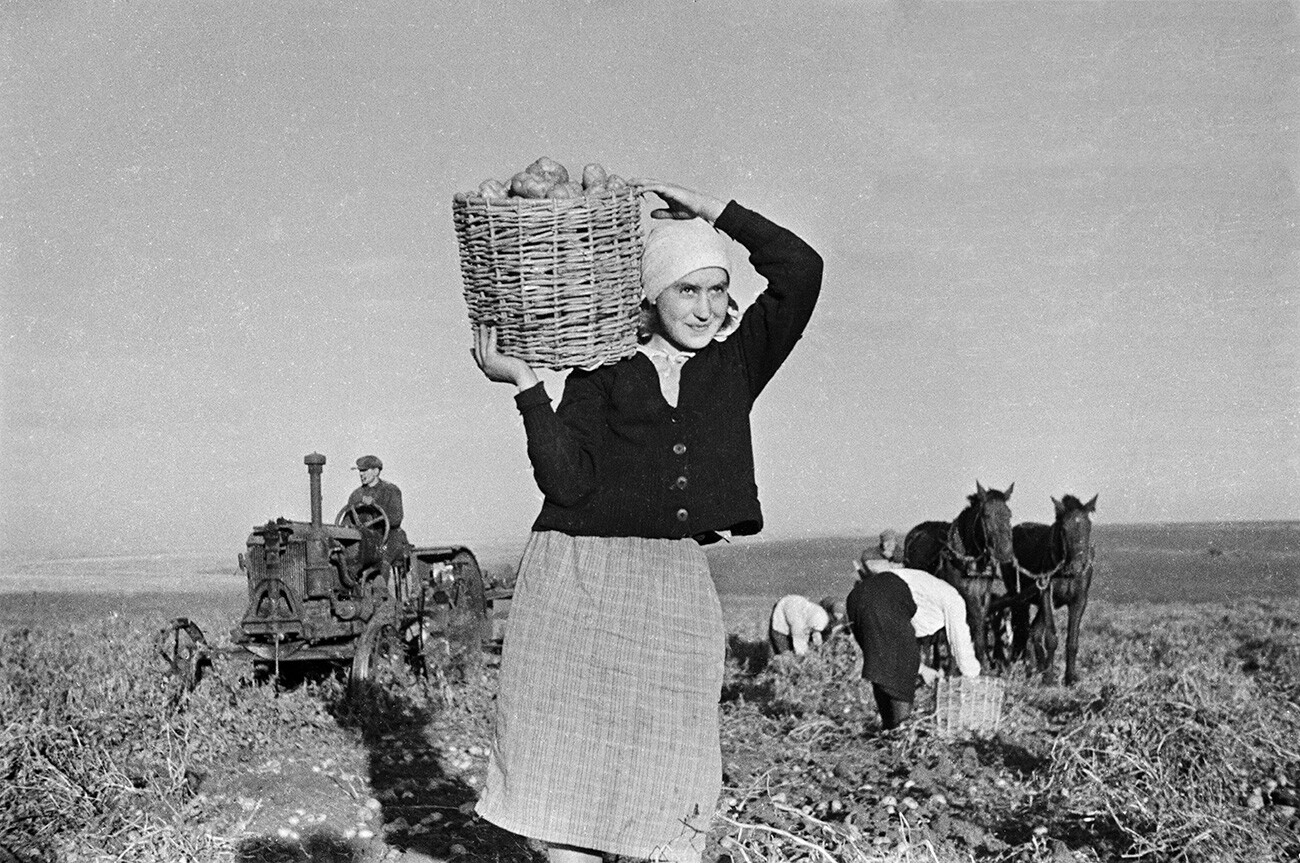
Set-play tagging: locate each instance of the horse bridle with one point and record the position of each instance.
(970, 563)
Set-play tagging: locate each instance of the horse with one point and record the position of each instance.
(1053, 567)
(968, 553)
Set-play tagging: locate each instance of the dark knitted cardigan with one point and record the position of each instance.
(615, 459)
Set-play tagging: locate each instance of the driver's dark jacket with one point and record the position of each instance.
(386, 495)
(615, 459)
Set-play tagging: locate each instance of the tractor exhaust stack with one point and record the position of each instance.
(315, 464)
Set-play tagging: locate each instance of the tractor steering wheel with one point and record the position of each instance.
(351, 516)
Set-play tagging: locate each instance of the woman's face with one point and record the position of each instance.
(693, 308)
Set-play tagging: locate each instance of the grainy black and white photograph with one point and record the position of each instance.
(844, 431)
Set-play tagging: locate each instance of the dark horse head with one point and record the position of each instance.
(984, 526)
(1072, 533)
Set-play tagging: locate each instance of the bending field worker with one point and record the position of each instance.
(606, 735)
(798, 624)
(888, 611)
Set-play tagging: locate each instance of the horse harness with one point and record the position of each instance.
(970, 565)
(1043, 580)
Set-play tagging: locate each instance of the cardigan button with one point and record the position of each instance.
(682, 515)
(681, 482)
(679, 448)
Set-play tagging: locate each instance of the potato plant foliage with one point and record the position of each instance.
(1179, 743)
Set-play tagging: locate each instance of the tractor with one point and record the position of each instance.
(353, 594)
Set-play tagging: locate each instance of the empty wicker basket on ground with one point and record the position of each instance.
(966, 706)
(560, 278)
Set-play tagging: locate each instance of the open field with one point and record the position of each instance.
(1179, 743)
(1153, 563)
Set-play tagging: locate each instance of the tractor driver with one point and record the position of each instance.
(376, 492)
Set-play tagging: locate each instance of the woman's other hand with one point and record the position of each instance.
(682, 203)
(495, 365)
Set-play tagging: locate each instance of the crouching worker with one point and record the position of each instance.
(798, 624)
(888, 611)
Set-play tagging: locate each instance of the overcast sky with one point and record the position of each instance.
(1061, 246)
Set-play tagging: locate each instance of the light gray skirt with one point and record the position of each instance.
(607, 717)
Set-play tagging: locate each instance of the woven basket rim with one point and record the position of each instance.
(980, 687)
(979, 681)
(515, 202)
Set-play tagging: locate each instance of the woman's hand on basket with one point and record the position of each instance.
(495, 365)
(682, 203)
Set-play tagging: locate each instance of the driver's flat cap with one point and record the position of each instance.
(366, 462)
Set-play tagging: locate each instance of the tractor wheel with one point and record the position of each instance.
(459, 626)
(471, 608)
(376, 648)
(182, 645)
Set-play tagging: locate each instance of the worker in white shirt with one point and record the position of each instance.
(888, 611)
(798, 623)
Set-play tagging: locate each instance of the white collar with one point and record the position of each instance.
(660, 346)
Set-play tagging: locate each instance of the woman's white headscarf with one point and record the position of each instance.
(677, 247)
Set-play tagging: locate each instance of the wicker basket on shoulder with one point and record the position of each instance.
(560, 278)
(966, 706)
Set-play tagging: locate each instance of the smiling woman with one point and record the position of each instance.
(688, 310)
(611, 671)
(691, 310)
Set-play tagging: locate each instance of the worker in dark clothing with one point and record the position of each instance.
(375, 492)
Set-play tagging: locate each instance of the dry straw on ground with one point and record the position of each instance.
(1183, 713)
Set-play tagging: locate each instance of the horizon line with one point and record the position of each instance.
(498, 543)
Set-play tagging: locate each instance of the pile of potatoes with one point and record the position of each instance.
(547, 178)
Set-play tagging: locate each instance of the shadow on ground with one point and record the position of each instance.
(426, 806)
(320, 847)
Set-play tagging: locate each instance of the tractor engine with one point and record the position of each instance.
(309, 582)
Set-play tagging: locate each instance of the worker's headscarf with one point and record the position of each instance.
(835, 608)
(677, 247)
